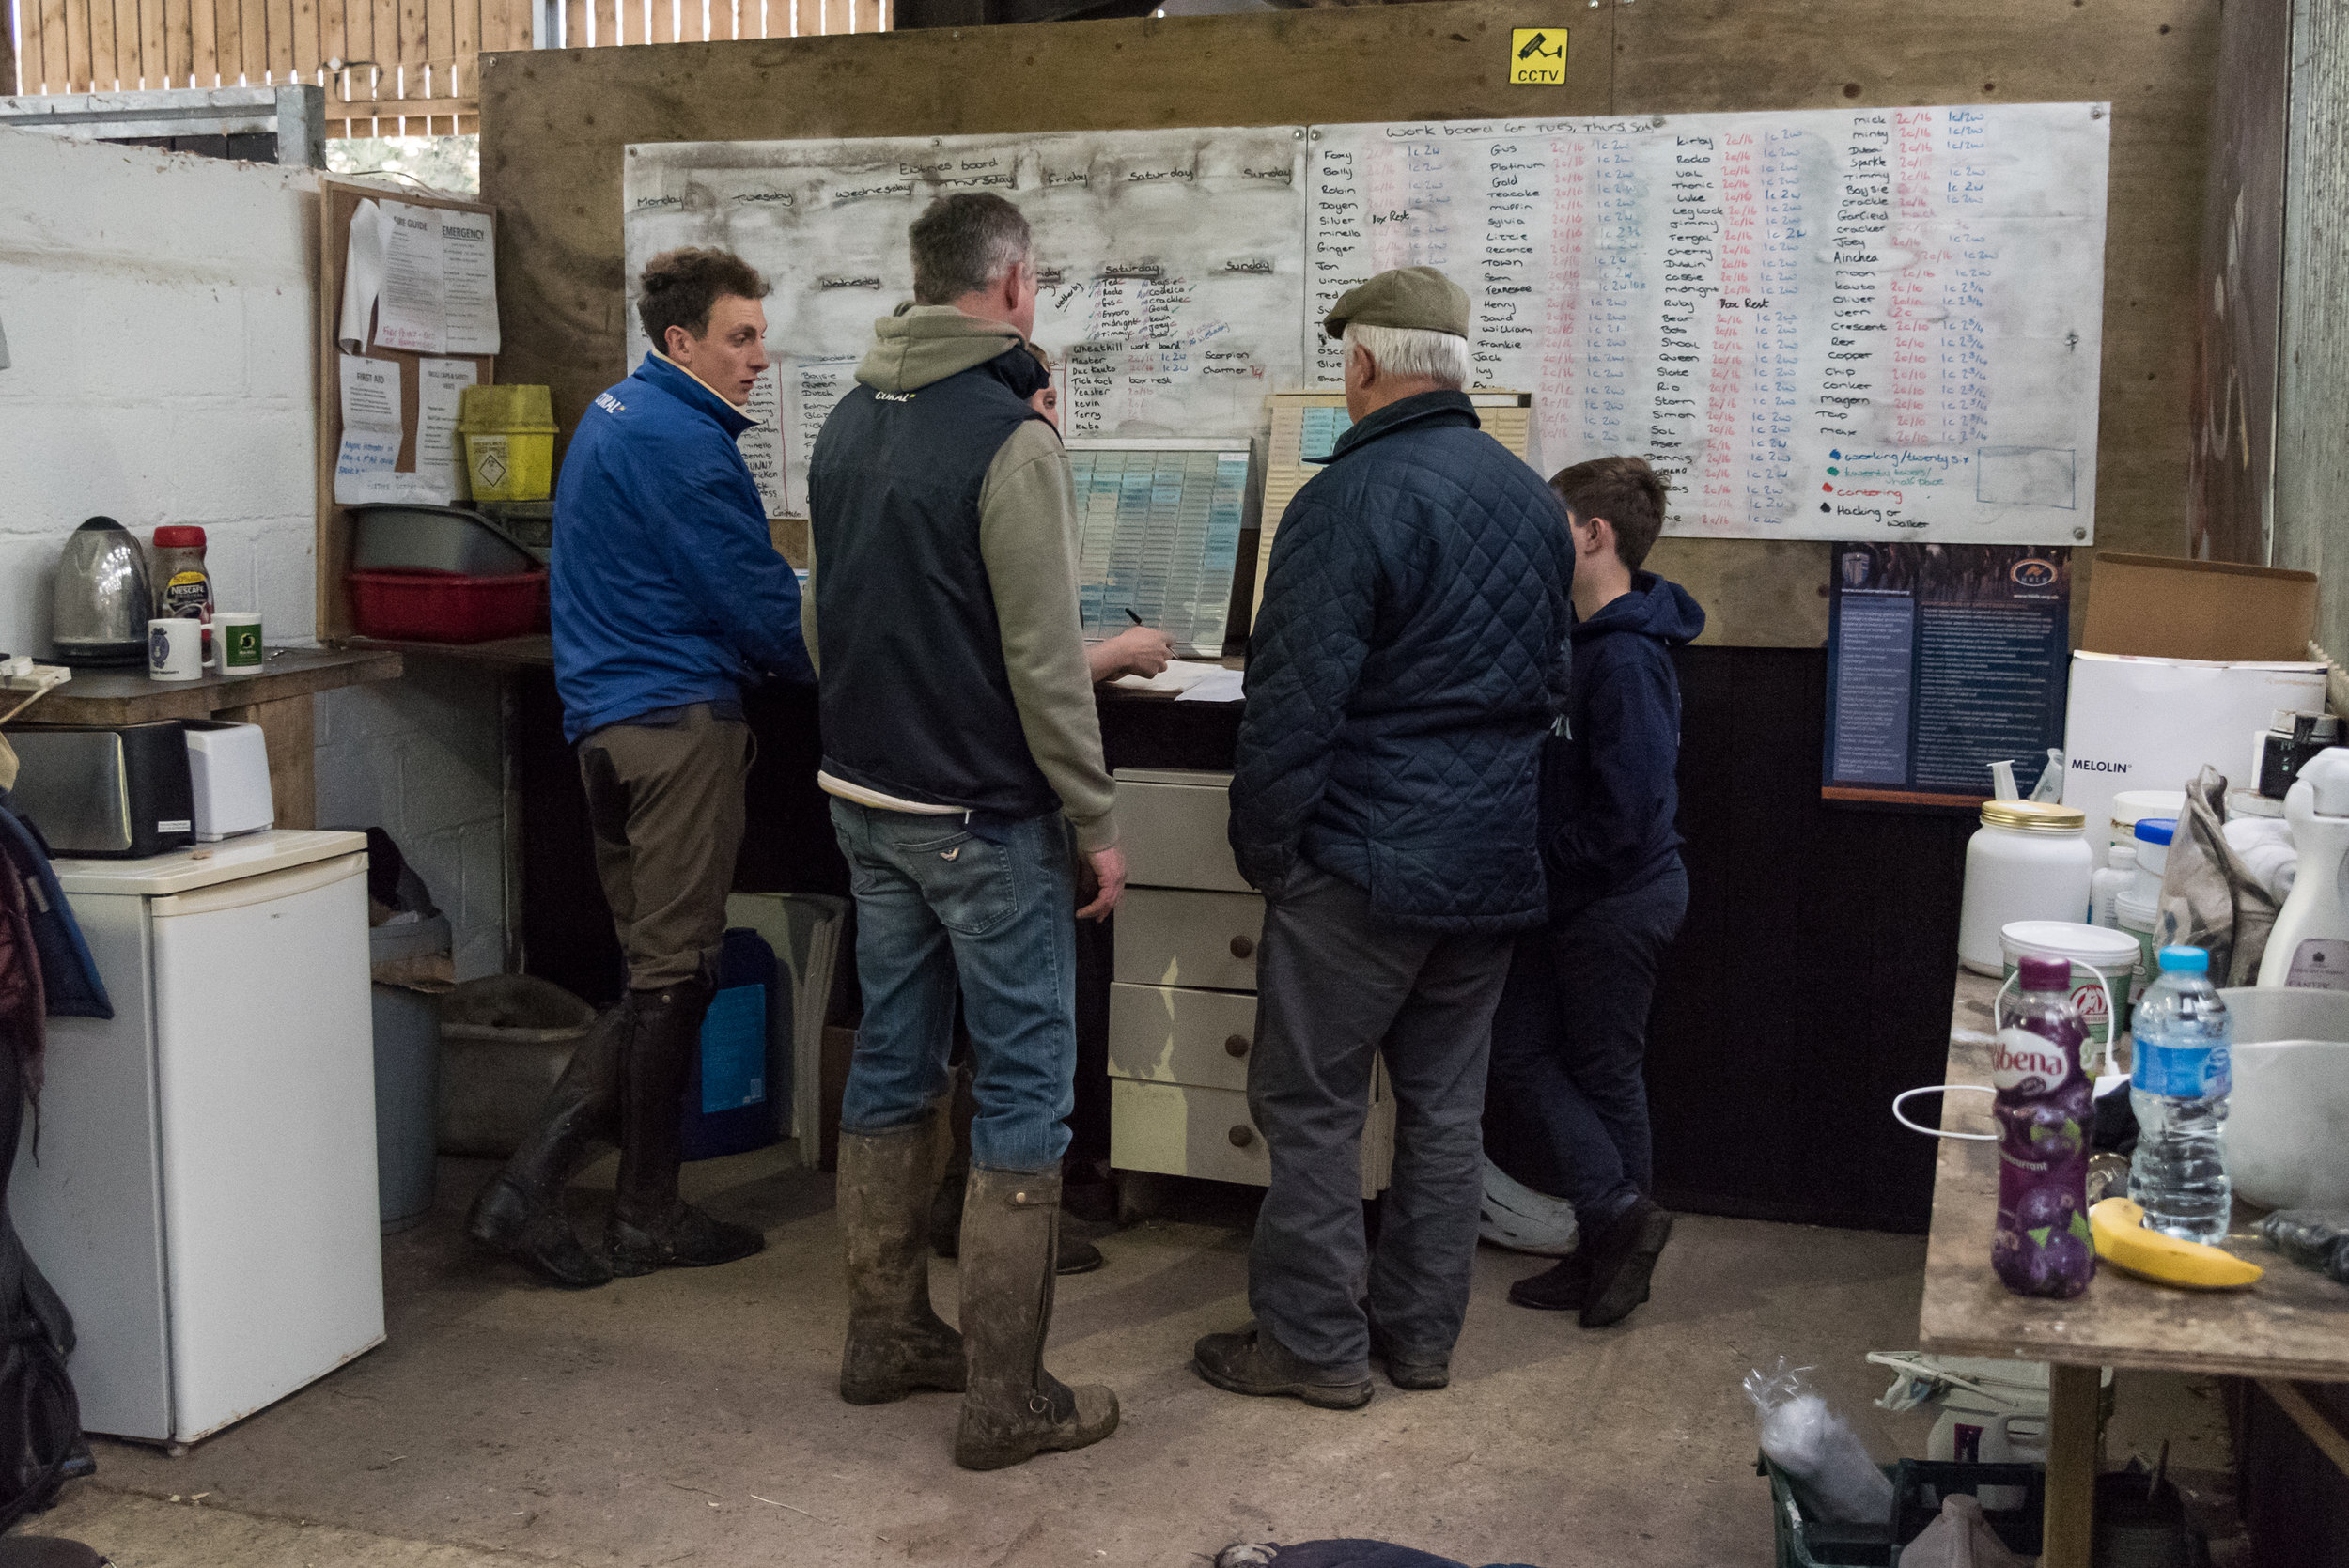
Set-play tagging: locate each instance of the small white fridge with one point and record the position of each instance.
(203, 1195)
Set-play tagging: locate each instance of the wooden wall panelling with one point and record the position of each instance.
(553, 126)
(2312, 400)
(2152, 59)
(2232, 394)
(100, 74)
(552, 139)
(154, 45)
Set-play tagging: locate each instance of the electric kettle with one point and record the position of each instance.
(102, 602)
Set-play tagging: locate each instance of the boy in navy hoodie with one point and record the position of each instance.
(1566, 1112)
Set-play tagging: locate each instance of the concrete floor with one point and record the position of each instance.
(689, 1418)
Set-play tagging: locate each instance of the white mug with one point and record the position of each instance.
(175, 649)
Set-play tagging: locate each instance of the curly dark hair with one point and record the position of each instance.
(679, 287)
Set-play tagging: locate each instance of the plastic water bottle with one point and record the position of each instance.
(2178, 1083)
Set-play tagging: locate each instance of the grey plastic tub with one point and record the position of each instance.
(417, 538)
(504, 1041)
(407, 1074)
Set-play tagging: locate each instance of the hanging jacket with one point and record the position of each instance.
(945, 619)
(667, 587)
(1408, 657)
(1610, 803)
(69, 978)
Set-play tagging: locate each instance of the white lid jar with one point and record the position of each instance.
(2029, 860)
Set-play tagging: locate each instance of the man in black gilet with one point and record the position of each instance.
(964, 760)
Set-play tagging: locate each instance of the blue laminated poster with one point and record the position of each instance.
(734, 1050)
(1942, 659)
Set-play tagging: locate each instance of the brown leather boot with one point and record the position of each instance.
(519, 1211)
(1014, 1409)
(651, 1227)
(897, 1343)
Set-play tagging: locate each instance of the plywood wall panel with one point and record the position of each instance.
(2312, 398)
(554, 127)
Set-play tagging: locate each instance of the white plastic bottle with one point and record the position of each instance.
(2180, 1072)
(2309, 944)
(2113, 878)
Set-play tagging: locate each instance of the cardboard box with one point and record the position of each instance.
(2151, 723)
(2164, 607)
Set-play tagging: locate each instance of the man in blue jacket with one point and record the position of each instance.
(1408, 660)
(669, 600)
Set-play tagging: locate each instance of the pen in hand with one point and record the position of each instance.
(1131, 616)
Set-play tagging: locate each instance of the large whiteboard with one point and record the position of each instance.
(1172, 262)
(1846, 324)
(1838, 324)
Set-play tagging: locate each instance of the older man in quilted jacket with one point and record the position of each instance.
(1409, 656)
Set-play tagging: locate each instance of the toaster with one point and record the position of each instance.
(106, 791)
(228, 772)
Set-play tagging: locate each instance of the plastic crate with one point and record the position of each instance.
(1918, 1487)
(442, 606)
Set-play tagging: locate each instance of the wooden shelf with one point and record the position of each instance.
(132, 696)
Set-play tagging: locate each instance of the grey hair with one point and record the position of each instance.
(963, 243)
(1414, 353)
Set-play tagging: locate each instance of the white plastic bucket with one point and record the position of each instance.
(2102, 954)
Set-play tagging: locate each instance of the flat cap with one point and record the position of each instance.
(1418, 297)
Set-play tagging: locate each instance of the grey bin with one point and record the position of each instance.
(504, 1040)
(407, 1073)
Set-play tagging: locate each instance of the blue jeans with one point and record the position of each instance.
(941, 906)
(1565, 1110)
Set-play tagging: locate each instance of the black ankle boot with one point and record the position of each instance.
(518, 1212)
(1623, 1256)
(651, 1227)
(1558, 1288)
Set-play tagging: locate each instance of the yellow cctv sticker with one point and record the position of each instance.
(1537, 57)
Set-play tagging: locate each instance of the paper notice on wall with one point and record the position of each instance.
(362, 276)
(365, 467)
(440, 450)
(411, 309)
(762, 443)
(469, 282)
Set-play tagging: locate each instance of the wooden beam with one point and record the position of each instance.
(2074, 1400)
(2314, 1423)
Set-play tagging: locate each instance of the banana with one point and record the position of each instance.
(2122, 1241)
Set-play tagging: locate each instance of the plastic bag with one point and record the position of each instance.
(2313, 1238)
(1959, 1537)
(1817, 1449)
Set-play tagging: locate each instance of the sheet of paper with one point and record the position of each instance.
(1180, 674)
(411, 312)
(371, 393)
(362, 276)
(1224, 686)
(440, 452)
(366, 466)
(469, 283)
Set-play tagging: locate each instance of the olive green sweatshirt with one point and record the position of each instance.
(1028, 541)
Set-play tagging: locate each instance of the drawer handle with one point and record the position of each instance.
(1236, 1044)
(1242, 947)
(1242, 1135)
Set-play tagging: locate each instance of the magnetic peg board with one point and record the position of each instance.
(1159, 526)
(1306, 426)
(1838, 324)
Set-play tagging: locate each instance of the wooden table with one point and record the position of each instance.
(2294, 1324)
(277, 699)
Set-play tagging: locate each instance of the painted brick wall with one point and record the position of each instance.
(161, 325)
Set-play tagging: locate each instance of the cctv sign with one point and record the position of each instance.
(1537, 57)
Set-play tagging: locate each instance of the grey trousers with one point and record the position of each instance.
(1337, 983)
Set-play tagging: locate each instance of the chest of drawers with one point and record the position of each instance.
(1183, 994)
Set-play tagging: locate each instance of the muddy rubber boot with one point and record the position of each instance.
(1014, 1409)
(897, 1343)
(519, 1211)
(651, 1227)
(1077, 1256)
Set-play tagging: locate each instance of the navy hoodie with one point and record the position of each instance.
(1609, 802)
